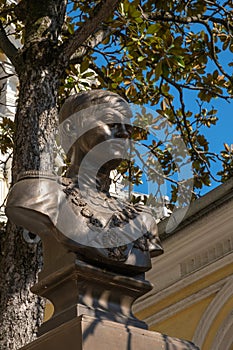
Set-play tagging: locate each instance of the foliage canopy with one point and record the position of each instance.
(161, 54)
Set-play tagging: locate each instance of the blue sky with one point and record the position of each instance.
(217, 135)
(222, 132)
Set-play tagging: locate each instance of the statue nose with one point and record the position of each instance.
(122, 132)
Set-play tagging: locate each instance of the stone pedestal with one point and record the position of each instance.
(82, 289)
(89, 333)
(92, 307)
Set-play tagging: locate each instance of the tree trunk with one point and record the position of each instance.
(21, 312)
(36, 120)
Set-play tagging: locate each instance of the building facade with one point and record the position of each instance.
(193, 281)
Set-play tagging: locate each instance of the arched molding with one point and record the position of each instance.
(224, 336)
(183, 304)
(211, 314)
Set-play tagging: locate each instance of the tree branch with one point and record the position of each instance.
(93, 41)
(101, 12)
(7, 47)
(214, 55)
(203, 19)
(197, 88)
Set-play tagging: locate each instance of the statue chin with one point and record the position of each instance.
(55, 206)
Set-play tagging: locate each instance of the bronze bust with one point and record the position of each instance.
(78, 209)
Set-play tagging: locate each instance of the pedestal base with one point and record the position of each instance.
(89, 333)
(92, 307)
(81, 289)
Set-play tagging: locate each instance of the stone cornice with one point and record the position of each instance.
(201, 207)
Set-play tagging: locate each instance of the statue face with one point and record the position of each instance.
(112, 126)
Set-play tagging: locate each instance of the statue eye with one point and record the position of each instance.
(112, 125)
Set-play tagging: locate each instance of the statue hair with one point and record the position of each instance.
(84, 100)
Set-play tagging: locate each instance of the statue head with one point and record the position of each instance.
(93, 117)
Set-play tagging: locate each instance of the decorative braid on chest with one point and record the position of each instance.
(121, 215)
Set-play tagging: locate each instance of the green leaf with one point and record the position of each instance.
(165, 69)
(153, 28)
(180, 61)
(141, 58)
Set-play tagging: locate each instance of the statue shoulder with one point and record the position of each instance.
(33, 184)
(34, 191)
(33, 200)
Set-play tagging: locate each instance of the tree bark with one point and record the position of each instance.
(39, 72)
(36, 120)
(21, 312)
